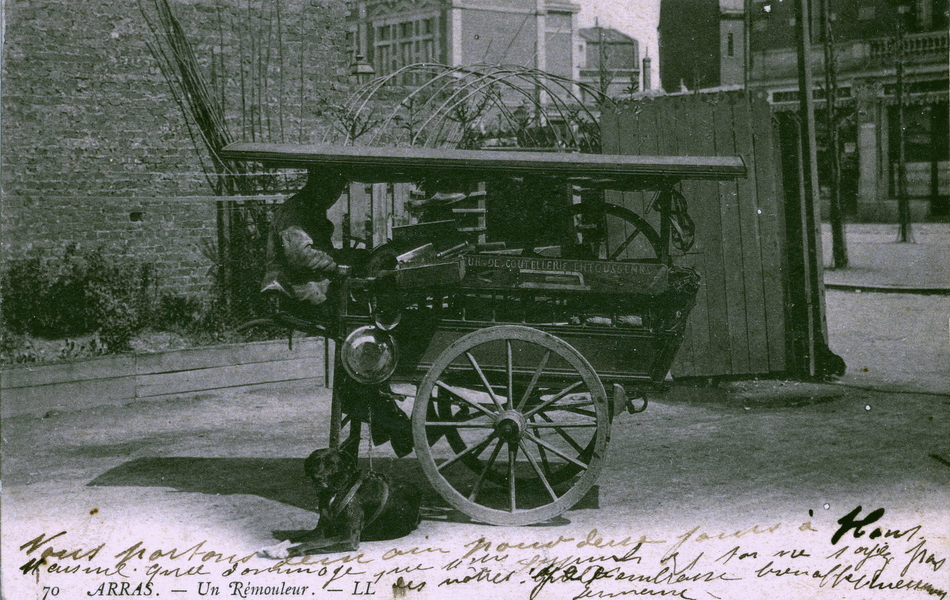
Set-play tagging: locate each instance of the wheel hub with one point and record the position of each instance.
(510, 425)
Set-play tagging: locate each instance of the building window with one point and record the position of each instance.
(731, 44)
(926, 149)
(399, 45)
(940, 15)
(351, 48)
(559, 22)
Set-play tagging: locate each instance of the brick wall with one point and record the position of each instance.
(91, 133)
(174, 233)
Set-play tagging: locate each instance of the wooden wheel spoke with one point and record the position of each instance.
(468, 401)
(488, 467)
(534, 380)
(554, 450)
(573, 443)
(537, 469)
(512, 456)
(476, 449)
(543, 454)
(544, 460)
(569, 405)
(578, 411)
(466, 425)
(597, 220)
(460, 417)
(624, 245)
(481, 375)
(511, 376)
(563, 424)
(554, 399)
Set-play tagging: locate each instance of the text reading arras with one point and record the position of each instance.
(123, 588)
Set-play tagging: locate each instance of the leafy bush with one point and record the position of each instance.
(238, 270)
(72, 292)
(179, 313)
(16, 349)
(72, 349)
(39, 293)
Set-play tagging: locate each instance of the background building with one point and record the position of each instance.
(691, 33)
(706, 50)
(530, 33)
(610, 59)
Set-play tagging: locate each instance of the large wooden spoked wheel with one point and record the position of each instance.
(612, 232)
(556, 473)
(527, 407)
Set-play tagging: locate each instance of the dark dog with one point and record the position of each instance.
(354, 507)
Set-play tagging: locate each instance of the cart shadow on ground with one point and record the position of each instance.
(282, 480)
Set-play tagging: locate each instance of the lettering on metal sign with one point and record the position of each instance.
(562, 265)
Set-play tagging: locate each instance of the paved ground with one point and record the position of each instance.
(730, 477)
(876, 259)
(891, 341)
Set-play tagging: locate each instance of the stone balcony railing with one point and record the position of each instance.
(854, 56)
(914, 45)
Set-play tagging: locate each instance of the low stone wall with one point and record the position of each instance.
(36, 390)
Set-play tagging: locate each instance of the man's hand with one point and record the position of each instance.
(300, 253)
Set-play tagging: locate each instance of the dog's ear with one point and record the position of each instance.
(314, 462)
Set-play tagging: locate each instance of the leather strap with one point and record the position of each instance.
(382, 502)
(338, 507)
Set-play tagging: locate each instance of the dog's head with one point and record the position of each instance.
(326, 467)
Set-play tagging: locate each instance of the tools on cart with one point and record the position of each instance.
(509, 330)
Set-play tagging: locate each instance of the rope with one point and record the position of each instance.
(683, 230)
(369, 441)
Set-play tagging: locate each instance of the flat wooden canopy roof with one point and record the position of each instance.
(376, 165)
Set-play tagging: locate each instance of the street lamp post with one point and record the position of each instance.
(361, 70)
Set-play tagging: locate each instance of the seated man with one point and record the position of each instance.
(300, 250)
(302, 267)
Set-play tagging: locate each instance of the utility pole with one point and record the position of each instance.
(817, 326)
(746, 43)
(839, 244)
(904, 233)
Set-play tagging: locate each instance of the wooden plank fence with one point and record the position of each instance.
(738, 326)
